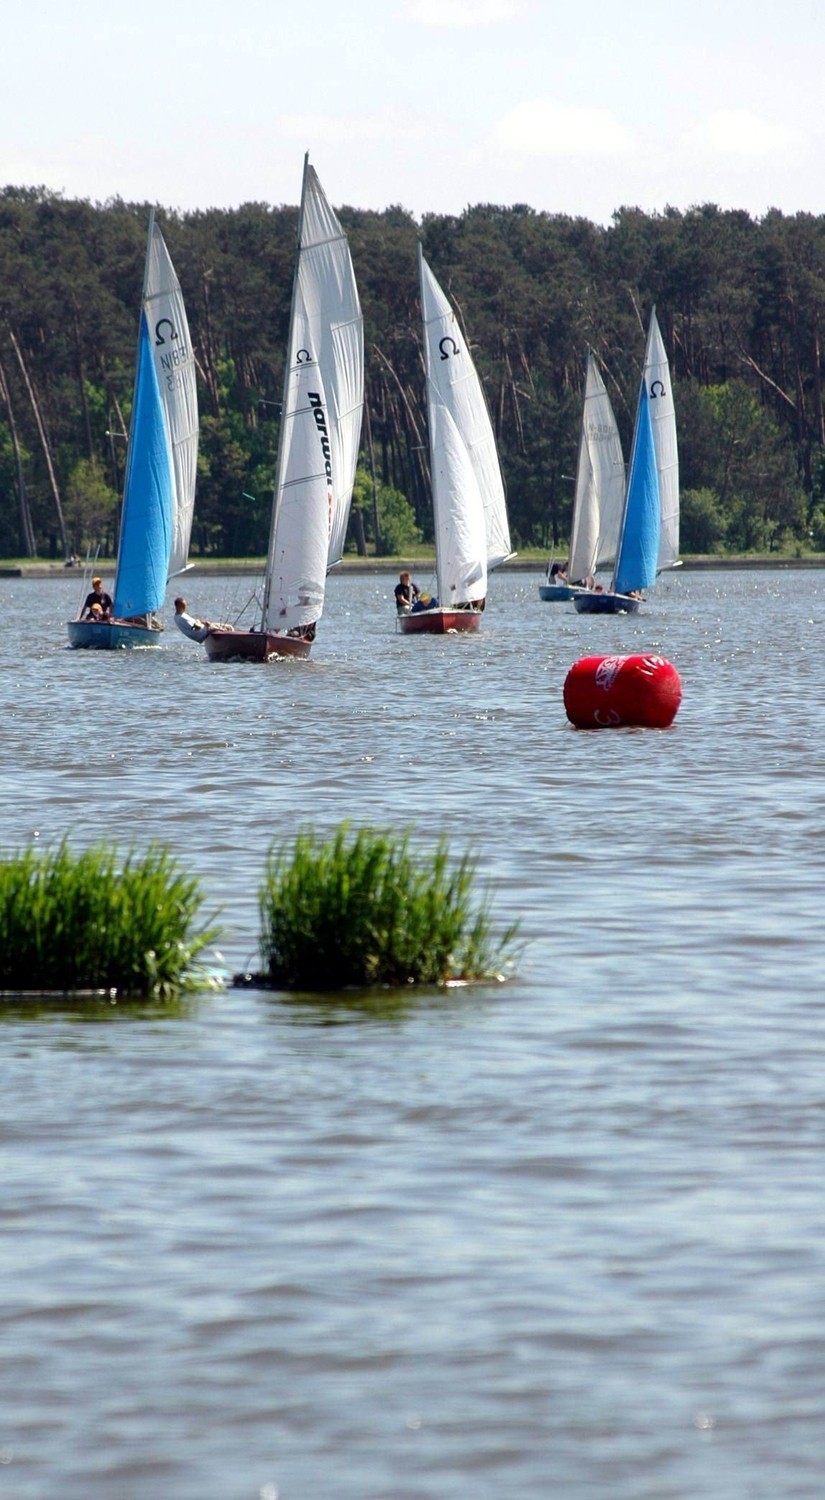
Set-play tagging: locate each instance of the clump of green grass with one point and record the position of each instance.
(90, 921)
(363, 908)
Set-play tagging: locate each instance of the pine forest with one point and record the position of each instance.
(740, 301)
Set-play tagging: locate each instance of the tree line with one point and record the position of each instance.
(741, 304)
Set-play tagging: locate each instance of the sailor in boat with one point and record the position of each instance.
(98, 597)
(196, 630)
(558, 573)
(304, 632)
(406, 593)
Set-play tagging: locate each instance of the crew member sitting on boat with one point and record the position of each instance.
(558, 573)
(97, 596)
(196, 630)
(304, 632)
(424, 601)
(406, 593)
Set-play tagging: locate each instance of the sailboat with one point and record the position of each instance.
(649, 536)
(472, 533)
(599, 497)
(318, 445)
(161, 464)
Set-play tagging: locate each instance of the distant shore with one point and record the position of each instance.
(239, 566)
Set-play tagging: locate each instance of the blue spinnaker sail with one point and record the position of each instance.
(148, 497)
(639, 547)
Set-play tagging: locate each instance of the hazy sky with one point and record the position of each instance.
(431, 104)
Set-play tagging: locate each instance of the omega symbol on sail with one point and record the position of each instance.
(173, 332)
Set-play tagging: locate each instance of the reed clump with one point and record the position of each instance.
(363, 908)
(93, 921)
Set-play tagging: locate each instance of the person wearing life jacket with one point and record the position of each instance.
(101, 598)
(406, 593)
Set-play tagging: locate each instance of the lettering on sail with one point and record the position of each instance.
(174, 357)
(317, 407)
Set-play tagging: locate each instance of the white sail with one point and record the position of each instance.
(320, 423)
(453, 375)
(600, 483)
(663, 414)
(336, 335)
(460, 531)
(175, 368)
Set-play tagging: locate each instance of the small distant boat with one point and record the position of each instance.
(556, 593)
(161, 464)
(472, 533)
(649, 537)
(318, 445)
(599, 497)
(641, 524)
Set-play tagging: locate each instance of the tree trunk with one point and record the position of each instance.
(81, 383)
(47, 452)
(27, 539)
(375, 518)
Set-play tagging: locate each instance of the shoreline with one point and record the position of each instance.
(240, 567)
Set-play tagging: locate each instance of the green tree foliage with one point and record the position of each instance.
(703, 522)
(751, 471)
(386, 516)
(90, 508)
(741, 303)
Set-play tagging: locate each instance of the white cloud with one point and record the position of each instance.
(539, 127)
(462, 12)
(737, 132)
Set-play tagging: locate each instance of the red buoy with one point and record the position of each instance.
(607, 692)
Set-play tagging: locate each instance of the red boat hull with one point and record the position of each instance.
(439, 621)
(253, 645)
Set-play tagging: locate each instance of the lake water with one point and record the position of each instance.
(559, 1237)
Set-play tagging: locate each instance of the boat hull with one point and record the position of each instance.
(439, 621)
(110, 635)
(558, 593)
(253, 645)
(591, 603)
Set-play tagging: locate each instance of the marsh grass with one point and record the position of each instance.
(92, 921)
(361, 909)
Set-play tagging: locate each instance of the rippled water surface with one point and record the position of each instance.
(561, 1237)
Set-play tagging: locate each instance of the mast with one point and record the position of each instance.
(276, 498)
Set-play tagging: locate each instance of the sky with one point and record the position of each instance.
(433, 105)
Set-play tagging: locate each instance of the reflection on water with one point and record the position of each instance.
(557, 1236)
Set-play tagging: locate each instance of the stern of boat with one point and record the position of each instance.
(605, 604)
(440, 621)
(110, 635)
(254, 645)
